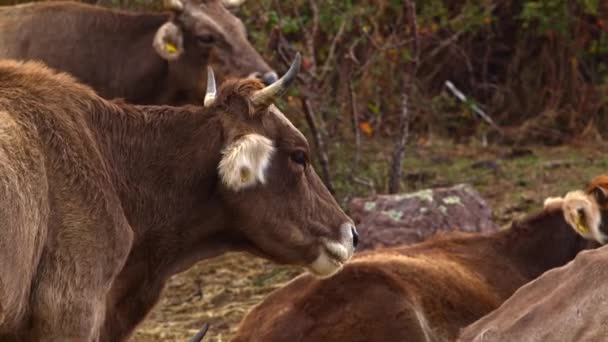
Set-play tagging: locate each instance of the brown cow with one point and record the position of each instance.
(565, 304)
(147, 58)
(103, 201)
(422, 292)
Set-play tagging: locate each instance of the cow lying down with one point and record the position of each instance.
(585, 210)
(422, 292)
(101, 202)
(569, 303)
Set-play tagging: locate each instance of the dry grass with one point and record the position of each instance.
(219, 291)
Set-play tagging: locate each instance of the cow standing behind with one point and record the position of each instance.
(423, 292)
(101, 202)
(144, 58)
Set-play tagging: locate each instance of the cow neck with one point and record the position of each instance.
(137, 23)
(146, 68)
(164, 162)
(183, 86)
(540, 242)
(143, 73)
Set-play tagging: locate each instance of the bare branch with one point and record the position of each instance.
(452, 39)
(445, 43)
(408, 77)
(474, 107)
(332, 51)
(355, 125)
(404, 130)
(351, 54)
(319, 143)
(368, 183)
(276, 5)
(307, 94)
(310, 38)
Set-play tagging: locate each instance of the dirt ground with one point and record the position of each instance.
(514, 181)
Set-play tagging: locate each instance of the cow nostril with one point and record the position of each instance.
(355, 236)
(270, 77)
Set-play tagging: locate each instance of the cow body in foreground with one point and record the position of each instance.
(422, 292)
(103, 201)
(144, 58)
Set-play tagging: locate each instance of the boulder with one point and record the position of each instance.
(568, 303)
(389, 220)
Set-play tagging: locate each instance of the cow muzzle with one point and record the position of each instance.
(334, 254)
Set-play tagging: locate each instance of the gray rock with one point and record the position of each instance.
(389, 220)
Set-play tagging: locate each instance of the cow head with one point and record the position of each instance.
(587, 211)
(267, 183)
(201, 32)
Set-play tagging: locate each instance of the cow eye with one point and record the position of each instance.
(299, 157)
(205, 39)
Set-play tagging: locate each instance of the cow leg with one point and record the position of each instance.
(128, 307)
(74, 279)
(68, 302)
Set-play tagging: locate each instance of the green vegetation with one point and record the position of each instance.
(539, 68)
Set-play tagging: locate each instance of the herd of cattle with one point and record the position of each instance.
(122, 164)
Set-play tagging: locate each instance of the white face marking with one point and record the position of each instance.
(245, 161)
(573, 203)
(333, 254)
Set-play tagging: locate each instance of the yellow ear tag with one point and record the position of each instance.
(245, 174)
(170, 47)
(579, 226)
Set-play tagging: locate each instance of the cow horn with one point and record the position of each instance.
(233, 3)
(200, 334)
(174, 5)
(211, 90)
(268, 94)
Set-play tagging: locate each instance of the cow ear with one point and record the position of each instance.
(245, 160)
(600, 194)
(169, 41)
(553, 202)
